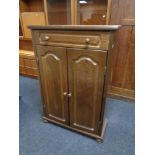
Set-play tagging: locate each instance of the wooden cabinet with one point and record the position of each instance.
(87, 12)
(74, 75)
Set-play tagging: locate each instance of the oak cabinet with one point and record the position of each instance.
(87, 12)
(74, 75)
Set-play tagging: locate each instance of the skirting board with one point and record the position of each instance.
(121, 93)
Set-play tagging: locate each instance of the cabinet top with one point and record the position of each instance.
(76, 27)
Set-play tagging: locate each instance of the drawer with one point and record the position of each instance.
(73, 39)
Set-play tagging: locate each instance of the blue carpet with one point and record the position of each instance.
(38, 138)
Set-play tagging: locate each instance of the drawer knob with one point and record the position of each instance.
(47, 38)
(87, 40)
(65, 93)
(103, 16)
(69, 94)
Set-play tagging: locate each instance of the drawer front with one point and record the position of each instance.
(73, 39)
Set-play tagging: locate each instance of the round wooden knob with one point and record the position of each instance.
(103, 16)
(69, 94)
(65, 93)
(87, 40)
(47, 38)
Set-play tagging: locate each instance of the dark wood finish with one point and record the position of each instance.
(98, 137)
(122, 93)
(123, 72)
(86, 80)
(124, 59)
(25, 45)
(122, 10)
(53, 70)
(78, 39)
(73, 81)
(77, 27)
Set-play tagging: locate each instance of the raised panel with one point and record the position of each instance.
(122, 12)
(86, 80)
(53, 67)
(123, 70)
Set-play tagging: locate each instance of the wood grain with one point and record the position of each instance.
(53, 70)
(31, 18)
(123, 74)
(73, 80)
(122, 10)
(74, 39)
(25, 45)
(86, 79)
(27, 63)
(31, 5)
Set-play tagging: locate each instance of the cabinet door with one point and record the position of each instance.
(86, 81)
(53, 76)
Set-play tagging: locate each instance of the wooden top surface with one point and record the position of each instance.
(76, 27)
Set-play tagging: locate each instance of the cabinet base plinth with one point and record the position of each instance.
(99, 138)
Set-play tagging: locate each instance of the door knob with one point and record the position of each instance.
(69, 94)
(87, 40)
(65, 93)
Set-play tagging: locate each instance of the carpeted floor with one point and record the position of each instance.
(38, 138)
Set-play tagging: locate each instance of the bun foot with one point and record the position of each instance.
(99, 141)
(45, 121)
